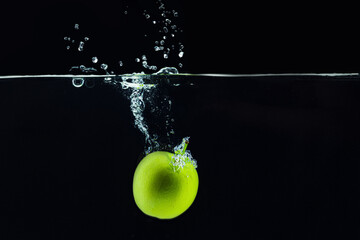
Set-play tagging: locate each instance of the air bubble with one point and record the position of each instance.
(78, 82)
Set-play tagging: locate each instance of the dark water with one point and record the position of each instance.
(277, 158)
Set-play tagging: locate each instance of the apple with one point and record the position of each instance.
(165, 184)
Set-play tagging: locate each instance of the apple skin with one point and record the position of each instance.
(161, 192)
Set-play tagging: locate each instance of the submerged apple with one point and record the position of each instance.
(165, 184)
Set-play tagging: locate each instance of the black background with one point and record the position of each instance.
(278, 157)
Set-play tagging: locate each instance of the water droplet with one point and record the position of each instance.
(65, 38)
(165, 30)
(153, 67)
(125, 12)
(121, 63)
(164, 37)
(78, 82)
(166, 56)
(81, 46)
(147, 16)
(168, 21)
(175, 13)
(137, 60)
(180, 65)
(162, 42)
(173, 35)
(94, 59)
(157, 48)
(181, 54)
(154, 22)
(76, 26)
(143, 57)
(162, 6)
(86, 38)
(67, 47)
(103, 66)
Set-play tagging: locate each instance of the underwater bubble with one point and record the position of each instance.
(89, 83)
(94, 59)
(78, 82)
(76, 26)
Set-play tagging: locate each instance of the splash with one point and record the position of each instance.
(140, 94)
(138, 88)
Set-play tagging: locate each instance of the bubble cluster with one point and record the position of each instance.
(182, 156)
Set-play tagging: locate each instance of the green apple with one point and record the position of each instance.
(165, 184)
